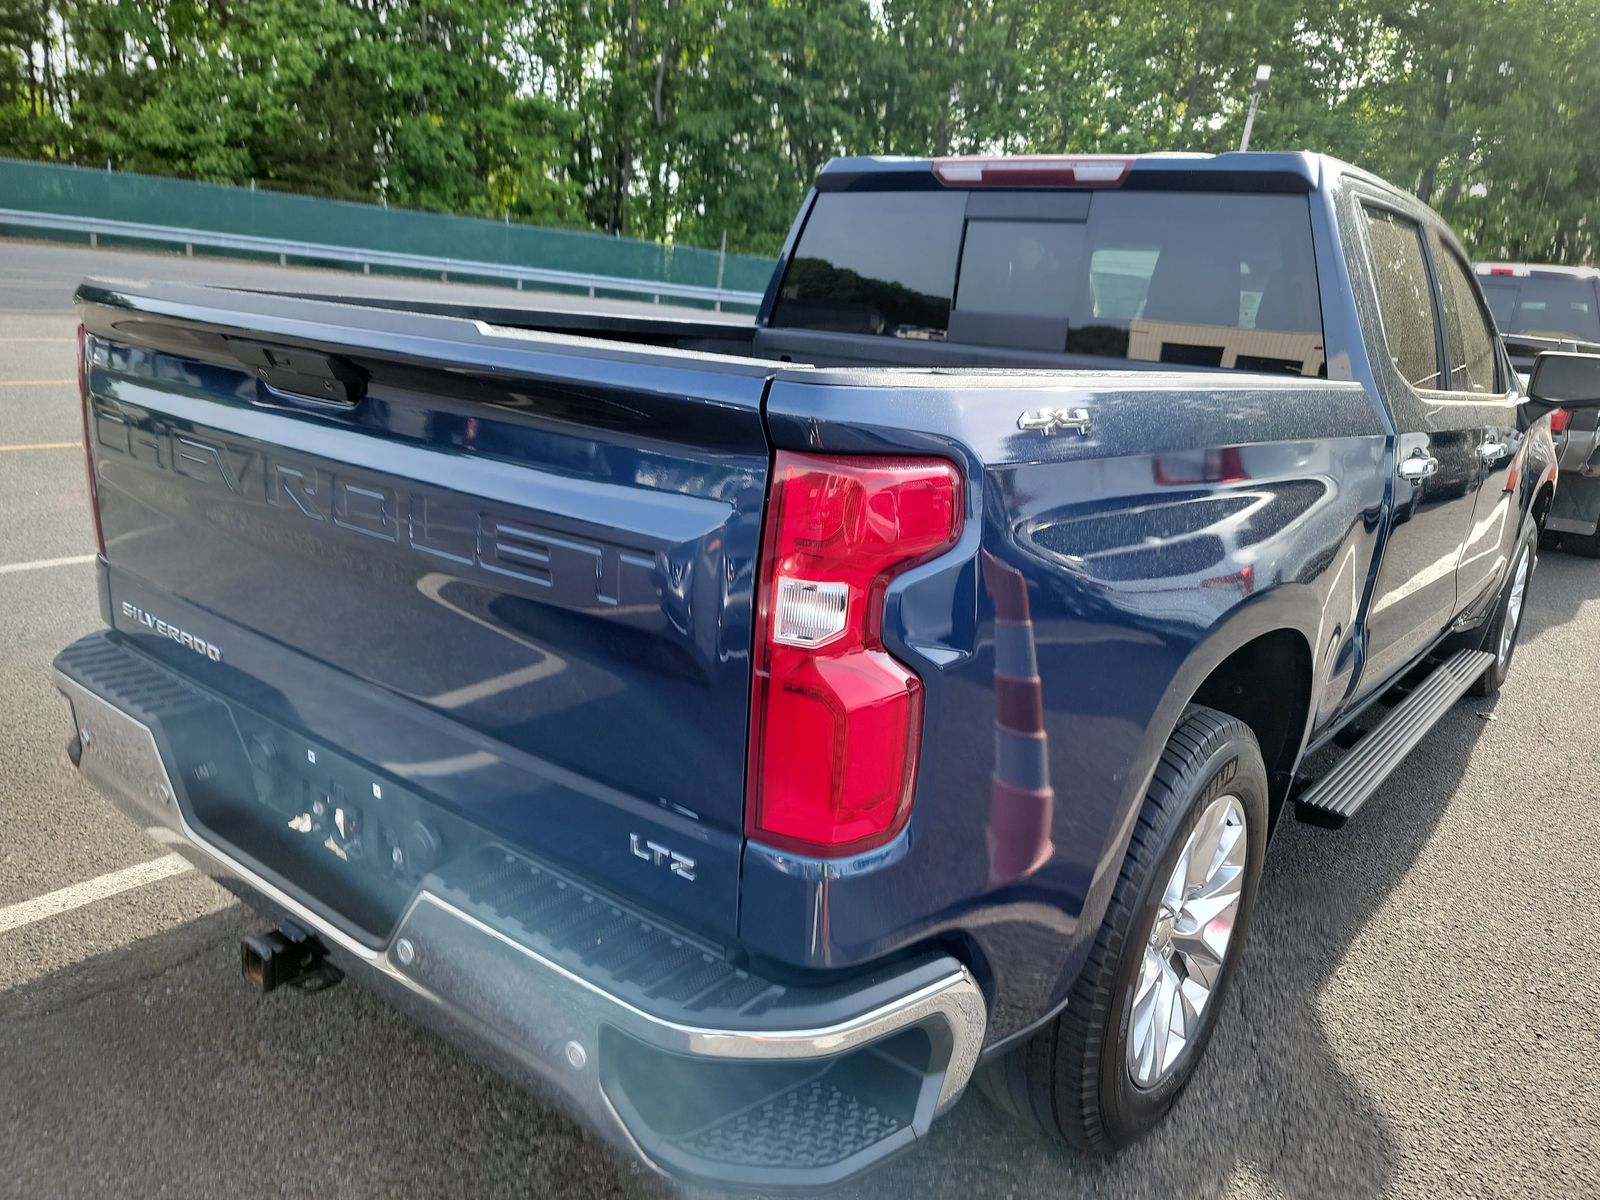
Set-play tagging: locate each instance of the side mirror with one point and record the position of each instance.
(1562, 379)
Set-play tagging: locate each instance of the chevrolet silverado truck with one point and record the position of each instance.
(754, 733)
(1538, 308)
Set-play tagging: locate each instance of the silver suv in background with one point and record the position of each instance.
(1541, 307)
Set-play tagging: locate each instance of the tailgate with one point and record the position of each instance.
(448, 577)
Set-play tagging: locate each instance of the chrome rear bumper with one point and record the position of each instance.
(700, 1068)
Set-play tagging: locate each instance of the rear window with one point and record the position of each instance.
(871, 262)
(1184, 278)
(1552, 305)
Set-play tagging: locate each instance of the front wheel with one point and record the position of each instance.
(1137, 1020)
(1500, 636)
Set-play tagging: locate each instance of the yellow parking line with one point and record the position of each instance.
(35, 382)
(42, 446)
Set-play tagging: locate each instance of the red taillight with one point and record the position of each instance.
(1034, 170)
(1558, 420)
(835, 720)
(88, 457)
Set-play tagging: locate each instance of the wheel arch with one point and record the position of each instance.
(1257, 666)
(1266, 683)
(1262, 641)
(1540, 508)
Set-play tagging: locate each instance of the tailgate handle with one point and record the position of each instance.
(301, 376)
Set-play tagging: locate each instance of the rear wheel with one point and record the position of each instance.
(1110, 1066)
(1500, 638)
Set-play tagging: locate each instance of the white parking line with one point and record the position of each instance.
(40, 563)
(53, 904)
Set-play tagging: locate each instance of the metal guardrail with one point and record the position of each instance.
(97, 227)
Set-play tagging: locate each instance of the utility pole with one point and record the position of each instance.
(722, 261)
(1263, 73)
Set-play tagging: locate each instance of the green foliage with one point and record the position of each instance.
(684, 119)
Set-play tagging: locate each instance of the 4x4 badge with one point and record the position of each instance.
(1051, 420)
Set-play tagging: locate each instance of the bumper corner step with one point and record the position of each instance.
(1339, 795)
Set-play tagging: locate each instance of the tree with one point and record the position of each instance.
(677, 120)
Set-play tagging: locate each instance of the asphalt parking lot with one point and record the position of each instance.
(1418, 1012)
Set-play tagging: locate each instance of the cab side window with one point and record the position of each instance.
(1405, 296)
(1469, 337)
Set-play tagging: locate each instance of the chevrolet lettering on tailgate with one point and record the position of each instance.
(556, 567)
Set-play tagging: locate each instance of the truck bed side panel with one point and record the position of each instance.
(1126, 564)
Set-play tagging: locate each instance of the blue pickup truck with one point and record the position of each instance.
(755, 733)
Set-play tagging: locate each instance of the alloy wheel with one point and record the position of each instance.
(1186, 947)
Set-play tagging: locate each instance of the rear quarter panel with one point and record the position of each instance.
(1199, 513)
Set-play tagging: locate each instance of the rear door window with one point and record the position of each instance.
(1186, 278)
(1469, 334)
(1405, 296)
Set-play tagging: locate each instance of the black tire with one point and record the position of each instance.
(1072, 1078)
(1495, 675)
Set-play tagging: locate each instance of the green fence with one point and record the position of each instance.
(81, 192)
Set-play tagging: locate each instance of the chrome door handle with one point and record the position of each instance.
(1493, 451)
(1418, 467)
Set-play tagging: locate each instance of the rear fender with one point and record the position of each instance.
(1539, 468)
(1293, 607)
